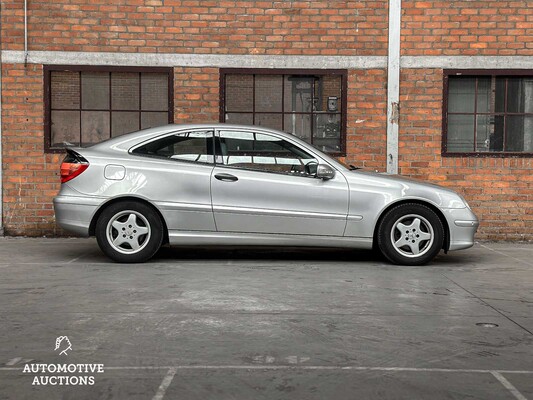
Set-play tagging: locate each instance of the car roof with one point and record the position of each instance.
(125, 142)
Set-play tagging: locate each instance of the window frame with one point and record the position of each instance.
(47, 93)
(445, 96)
(343, 73)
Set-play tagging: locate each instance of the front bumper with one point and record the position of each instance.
(463, 225)
(75, 213)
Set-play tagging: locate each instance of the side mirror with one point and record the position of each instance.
(324, 171)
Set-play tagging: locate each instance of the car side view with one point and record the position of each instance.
(237, 185)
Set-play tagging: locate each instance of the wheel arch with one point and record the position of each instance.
(92, 226)
(435, 209)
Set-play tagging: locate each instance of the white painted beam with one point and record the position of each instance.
(393, 85)
(195, 60)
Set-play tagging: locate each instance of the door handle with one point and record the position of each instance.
(226, 177)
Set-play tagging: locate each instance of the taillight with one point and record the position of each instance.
(72, 166)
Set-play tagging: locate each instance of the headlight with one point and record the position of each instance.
(464, 201)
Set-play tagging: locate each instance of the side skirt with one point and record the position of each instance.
(259, 239)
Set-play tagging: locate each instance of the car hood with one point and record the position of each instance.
(407, 188)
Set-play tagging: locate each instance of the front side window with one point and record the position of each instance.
(263, 152)
(308, 104)
(488, 114)
(86, 106)
(195, 146)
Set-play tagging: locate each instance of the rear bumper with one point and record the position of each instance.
(463, 225)
(75, 213)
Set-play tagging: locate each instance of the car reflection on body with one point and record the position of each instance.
(240, 185)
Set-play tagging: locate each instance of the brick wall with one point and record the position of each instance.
(201, 26)
(499, 190)
(467, 27)
(196, 94)
(366, 136)
(30, 176)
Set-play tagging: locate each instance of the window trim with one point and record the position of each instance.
(445, 96)
(343, 73)
(47, 93)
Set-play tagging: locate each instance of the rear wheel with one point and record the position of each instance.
(129, 232)
(410, 234)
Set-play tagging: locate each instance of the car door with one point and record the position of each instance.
(263, 183)
(177, 170)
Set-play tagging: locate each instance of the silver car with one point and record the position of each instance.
(240, 185)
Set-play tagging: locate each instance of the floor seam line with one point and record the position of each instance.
(491, 306)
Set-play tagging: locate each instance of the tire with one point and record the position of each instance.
(410, 234)
(129, 232)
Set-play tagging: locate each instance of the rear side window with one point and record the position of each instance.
(194, 146)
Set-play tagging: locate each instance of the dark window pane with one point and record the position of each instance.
(327, 126)
(273, 121)
(514, 133)
(326, 135)
(460, 133)
(299, 125)
(124, 122)
(461, 95)
(154, 91)
(125, 91)
(153, 119)
(65, 90)
(183, 146)
(499, 105)
(485, 129)
(94, 127)
(268, 89)
(65, 128)
(239, 92)
(298, 93)
(95, 90)
(515, 95)
(484, 94)
(239, 119)
(496, 139)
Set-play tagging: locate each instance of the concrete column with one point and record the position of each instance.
(393, 85)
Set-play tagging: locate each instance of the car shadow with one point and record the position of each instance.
(265, 253)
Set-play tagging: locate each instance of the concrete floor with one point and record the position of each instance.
(267, 324)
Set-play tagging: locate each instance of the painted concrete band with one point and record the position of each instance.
(263, 61)
(194, 60)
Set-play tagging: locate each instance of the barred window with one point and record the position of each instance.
(85, 105)
(308, 104)
(488, 114)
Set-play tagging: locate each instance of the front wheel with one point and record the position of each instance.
(410, 234)
(129, 232)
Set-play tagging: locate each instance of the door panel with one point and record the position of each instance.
(266, 186)
(263, 202)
